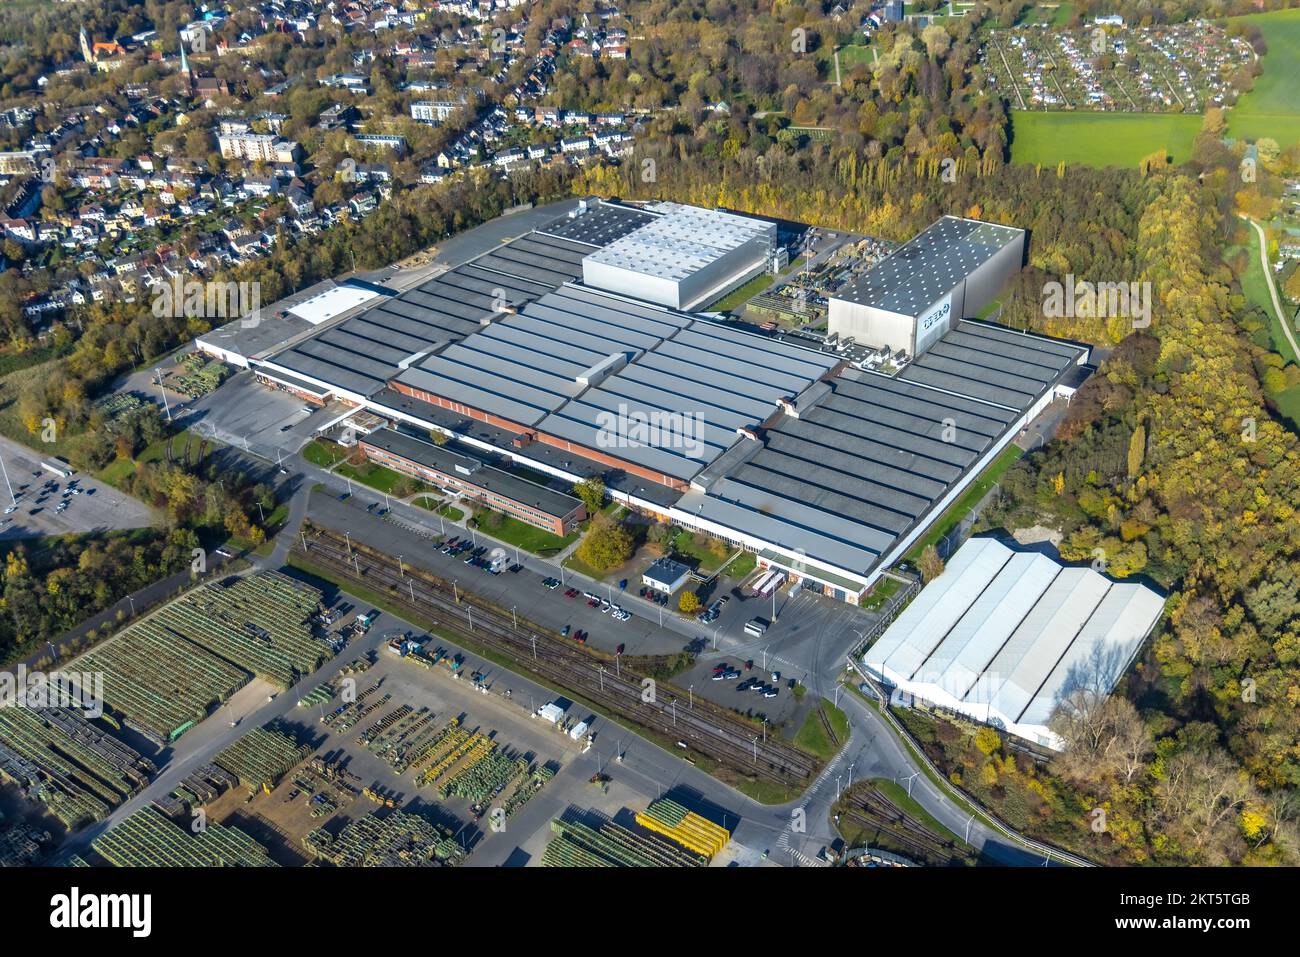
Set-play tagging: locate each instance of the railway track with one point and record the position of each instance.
(594, 676)
(877, 813)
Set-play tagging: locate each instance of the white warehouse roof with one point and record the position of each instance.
(681, 241)
(333, 302)
(1003, 636)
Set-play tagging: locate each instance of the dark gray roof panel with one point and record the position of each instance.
(971, 380)
(600, 224)
(929, 265)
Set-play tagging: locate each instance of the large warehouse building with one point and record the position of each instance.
(1004, 636)
(827, 470)
(683, 257)
(912, 298)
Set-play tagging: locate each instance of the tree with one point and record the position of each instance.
(1104, 736)
(689, 603)
(592, 492)
(606, 545)
(930, 564)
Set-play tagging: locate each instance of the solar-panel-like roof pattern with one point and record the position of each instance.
(932, 262)
(599, 224)
(361, 353)
(680, 241)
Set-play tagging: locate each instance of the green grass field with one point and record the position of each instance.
(1099, 139)
(1255, 288)
(854, 53)
(812, 737)
(1272, 108)
(741, 294)
(379, 478)
(530, 538)
(323, 454)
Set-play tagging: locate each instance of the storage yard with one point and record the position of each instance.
(164, 674)
(69, 767)
(411, 758)
(148, 838)
(711, 733)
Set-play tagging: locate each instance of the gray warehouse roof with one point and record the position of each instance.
(700, 381)
(1012, 633)
(930, 264)
(867, 461)
(992, 363)
(452, 463)
(363, 352)
(680, 241)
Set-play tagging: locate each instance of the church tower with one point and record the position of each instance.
(186, 70)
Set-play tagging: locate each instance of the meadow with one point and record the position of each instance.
(1272, 108)
(1099, 139)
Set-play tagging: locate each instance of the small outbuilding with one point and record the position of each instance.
(665, 575)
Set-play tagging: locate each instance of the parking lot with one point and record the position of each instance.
(246, 414)
(522, 590)
(48, 504)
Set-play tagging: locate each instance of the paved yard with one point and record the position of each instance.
(98, 508)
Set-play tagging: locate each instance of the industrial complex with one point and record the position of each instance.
(572, 351)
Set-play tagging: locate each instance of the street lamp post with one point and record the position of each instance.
(514, 618)
(13, 499)
(911, 777)
(163, 392)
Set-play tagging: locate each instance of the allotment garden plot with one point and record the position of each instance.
(1171, 68)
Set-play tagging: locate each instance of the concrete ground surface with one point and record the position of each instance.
(98, 508)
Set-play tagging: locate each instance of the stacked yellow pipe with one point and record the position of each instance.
(684, 827)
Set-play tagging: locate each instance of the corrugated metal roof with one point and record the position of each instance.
(1006, 635)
